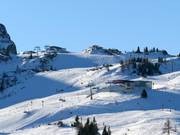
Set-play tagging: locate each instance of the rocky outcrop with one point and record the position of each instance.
(7, 46)
(95, 49)
(56, 49)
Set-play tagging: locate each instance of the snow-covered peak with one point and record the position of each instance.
(95, 49)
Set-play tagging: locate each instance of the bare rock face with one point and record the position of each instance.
(7, 46)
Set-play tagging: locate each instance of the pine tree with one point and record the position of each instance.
(138, 50)
(109, 131)
(157, 50)
(144, 94)
(76, 124)
(104, 131)
(146, 50)
(95, 125)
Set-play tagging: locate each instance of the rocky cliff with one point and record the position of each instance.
(7, 46)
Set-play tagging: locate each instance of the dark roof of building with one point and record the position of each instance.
(124, 81)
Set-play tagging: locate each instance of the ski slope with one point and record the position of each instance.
(47, 97)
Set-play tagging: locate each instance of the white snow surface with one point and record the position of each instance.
(40, 100)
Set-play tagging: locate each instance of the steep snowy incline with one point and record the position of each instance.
(61, 95)
(78, 60)
(53, 82)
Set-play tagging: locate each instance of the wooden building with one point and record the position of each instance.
(129, 85)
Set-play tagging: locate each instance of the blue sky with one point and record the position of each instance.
(77, 24)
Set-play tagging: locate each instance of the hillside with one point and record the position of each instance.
(40, 99)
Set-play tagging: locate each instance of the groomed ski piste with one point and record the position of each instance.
(38, 100)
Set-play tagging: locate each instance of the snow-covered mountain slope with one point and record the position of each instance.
(61, 61)
(78, 60)
(46, 97)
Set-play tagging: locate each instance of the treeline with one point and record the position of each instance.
(141, 66)
(90, 127)
(147, 50)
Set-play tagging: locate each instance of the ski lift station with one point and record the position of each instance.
(129, 86)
